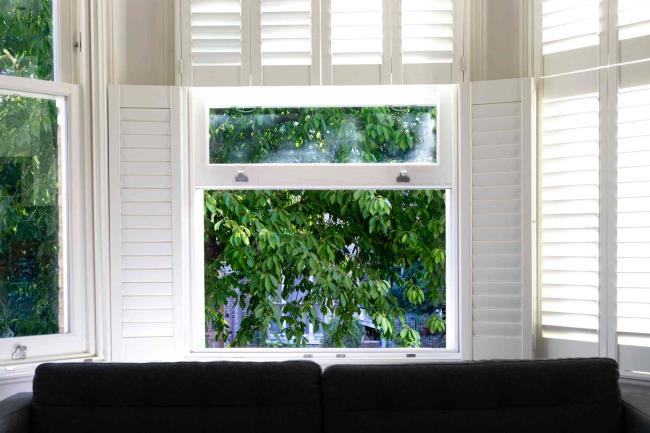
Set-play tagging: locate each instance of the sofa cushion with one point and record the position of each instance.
(571, 396)
(177, 397)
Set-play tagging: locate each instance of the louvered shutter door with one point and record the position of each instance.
(216, 42)
(286, 42)
(145, 236)
(569, 213)
(497, 159)
(570, 35)
(633, 216)
(424, 51)
(356, 41)
(633, 30)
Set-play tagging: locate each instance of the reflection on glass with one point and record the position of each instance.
(31, 228)
(323, 135)
(353, 269)
(26, 35)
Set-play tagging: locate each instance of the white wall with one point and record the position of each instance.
(143, 42)
(499, 39)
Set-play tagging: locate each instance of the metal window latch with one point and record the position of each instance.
(403, 177)
(20, 352)
(241, 177)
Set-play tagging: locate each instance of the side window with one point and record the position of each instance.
(42, 297)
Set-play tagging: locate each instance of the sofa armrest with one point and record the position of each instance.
(636, 409)
(15, 413)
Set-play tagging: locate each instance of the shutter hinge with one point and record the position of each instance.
(463, 66)
(77, 43)
(181, 64)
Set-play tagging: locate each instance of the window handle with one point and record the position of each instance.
(20, 352)
(403, 177)
(241, 177)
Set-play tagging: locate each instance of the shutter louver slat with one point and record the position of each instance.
(633, 223)
(570, 218)
(216, 32)
(357, 32)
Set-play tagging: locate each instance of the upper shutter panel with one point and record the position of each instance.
(289, 46)
(570, 36)
(215, 33)
(356, 39)
(426, 54)
(498, 161)
(634, 29)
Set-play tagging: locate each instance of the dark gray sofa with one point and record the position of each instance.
(571, 396)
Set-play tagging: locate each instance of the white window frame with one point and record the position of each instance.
(205, 176)
(70, 76)
(78, 341)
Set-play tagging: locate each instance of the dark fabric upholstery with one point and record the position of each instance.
(15, 413)
(177, 397)
(571, 396)
(636, 409)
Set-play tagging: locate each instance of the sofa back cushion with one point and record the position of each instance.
(177, 397)
(571, 396)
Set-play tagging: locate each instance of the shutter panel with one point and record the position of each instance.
(570, 35)
(497, 156)
(570, 216)
(633, 30)
(357, 41)
(633, 228)
(145, 245)
(426, 39)
(289, 42)
(216, 34)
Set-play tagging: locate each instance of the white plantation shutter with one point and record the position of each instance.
(633, 30)
(356, 39)
(145, 184)
(289, 45)
(569, 211)
(633, 19)
(426, 42)
(498, 161)
(570, 35)
(216, 37)
(633, 228)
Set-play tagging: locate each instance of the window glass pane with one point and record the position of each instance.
(26, 39)
(353, 269)
(32, 232)
(323, 135)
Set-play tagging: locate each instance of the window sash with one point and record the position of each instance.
(322, 176)
(78, 340)
(317, 176)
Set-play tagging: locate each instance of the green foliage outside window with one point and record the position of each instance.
(323, 135)
(29, 199)
(289, 259)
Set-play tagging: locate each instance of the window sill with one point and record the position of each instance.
(21, 371)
